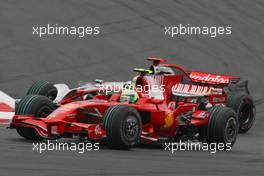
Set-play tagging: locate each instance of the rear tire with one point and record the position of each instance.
(36, 105)
(243, 105)
(123, 127)
(43, 88)
(222, 126)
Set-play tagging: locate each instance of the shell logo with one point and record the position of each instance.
(169, 120)
(70, 106)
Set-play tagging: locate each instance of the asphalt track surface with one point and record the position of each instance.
(130, 31)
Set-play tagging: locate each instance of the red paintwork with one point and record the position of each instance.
(5, 108)
(163, 116)
(156, 59)
(5, 121)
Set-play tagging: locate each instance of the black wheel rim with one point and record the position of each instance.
(52, 94)
(131, 128)
(44, 111)
(246, 114)
(231, 130)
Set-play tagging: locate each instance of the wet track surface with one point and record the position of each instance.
(130, 31)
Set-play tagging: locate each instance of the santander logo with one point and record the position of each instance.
(210, 78)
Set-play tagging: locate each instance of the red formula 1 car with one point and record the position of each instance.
(163, 103)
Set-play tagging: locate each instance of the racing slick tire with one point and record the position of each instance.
(43, 88)
(123, 127)
(244, 106)
(222, 126)
(37, 105)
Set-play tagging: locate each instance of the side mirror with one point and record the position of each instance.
(98, 81)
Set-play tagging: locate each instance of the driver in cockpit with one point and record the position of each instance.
(129, 95)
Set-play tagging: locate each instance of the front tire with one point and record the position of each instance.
(39, 106)
(222, 126)
(123, 126)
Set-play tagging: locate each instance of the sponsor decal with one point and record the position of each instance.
(209, 78)
(168, 120)
(70, 106)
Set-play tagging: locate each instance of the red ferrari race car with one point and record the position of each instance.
(162, 103)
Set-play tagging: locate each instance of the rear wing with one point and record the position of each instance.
(213, 79)
(199, 77)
